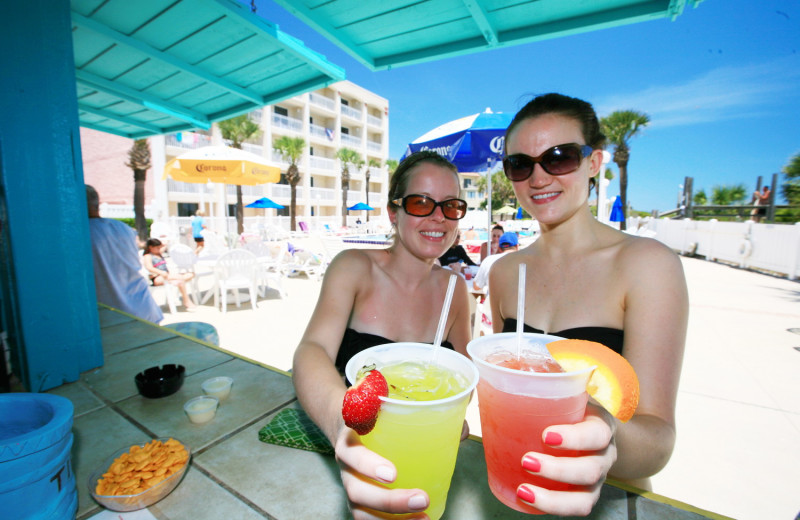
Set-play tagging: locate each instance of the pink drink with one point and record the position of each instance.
(518, 399)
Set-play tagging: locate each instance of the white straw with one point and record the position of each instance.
(437, 342)
(520, 308)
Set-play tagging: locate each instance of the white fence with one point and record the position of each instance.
(769, 247)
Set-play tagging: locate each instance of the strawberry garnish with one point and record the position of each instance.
(362, 400)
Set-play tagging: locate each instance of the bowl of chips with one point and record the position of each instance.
(135, 477)
(160, 381)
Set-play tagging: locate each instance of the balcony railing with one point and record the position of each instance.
(351, 112)
(322, 101)
(255, 116)
(350, 140)
(373, 146)
(319, 195)
(322, 163)
(374, 121)
(189, 140)
(321, 132)
(288, 123)
(253, 148)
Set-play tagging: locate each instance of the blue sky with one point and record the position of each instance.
(721, 84)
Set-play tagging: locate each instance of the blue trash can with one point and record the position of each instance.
(36, 476)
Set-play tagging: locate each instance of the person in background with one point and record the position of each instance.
(507, 243)
(586, 280)
(455, 257)
(198, 225)
(117, 267)
(159, 274)
(486, 249)
(375, 296)
(761, 199)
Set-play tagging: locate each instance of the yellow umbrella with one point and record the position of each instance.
(221, 164)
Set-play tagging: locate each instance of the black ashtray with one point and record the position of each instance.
(160, 381)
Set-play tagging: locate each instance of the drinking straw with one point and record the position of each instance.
(520, 308)
(437, 342)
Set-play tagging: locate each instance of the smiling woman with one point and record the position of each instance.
(375, 296)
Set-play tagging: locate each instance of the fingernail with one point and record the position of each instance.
(553, 439)
(526, 495)
(417, 502)
(531, 463)
(385, 473)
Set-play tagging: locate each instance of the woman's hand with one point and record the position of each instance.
(364, 472)
(595, 434)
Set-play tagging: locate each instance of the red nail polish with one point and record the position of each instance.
(531, 463)
(526, 494)
(553, 439)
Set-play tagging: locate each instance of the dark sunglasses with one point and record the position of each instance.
(558, 160)
(422, 206)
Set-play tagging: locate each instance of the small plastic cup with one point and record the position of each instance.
(201, 409)
(515, 408)
(219, 387)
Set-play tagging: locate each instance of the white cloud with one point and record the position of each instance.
(725, 93)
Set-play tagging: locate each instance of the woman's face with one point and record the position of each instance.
(496, 234)
(428, 237)
(551, 199)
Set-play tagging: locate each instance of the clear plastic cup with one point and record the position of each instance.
(219, 387)
(516, 406)
(421, 438)
(201, 409)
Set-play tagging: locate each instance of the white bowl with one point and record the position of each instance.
(219, 387)
(201, 409)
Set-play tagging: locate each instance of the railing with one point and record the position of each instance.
(322, 101)
(349, 140)
(189, 140)
(288, 123)
(326, 194)
(185, 187)
(351, 112)
(322, 163)
(373, 146)
(769, 247)
(374, 121)
(321, 132)
(255, 116)
(253, 148)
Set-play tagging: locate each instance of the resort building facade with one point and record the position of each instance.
(342, 115)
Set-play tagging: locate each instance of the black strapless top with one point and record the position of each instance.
(354, 342)
(612, 338)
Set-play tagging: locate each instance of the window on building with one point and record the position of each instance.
(186, 209)
(345, 130)
(345, 102)
(231, 210)
(281, 111)
(467, 183)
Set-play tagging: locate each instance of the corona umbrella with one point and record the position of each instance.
(221, 164)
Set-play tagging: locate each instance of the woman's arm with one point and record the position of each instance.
(656, 318)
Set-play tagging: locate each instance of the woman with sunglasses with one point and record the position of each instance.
(371, 297)
(589, 281)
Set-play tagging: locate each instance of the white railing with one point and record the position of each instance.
(770, 247)
(321, 163)
(322, 101)
(253, 148)
(123, 211)
(373, 146)
(185, 187)
(374, 121)
(349, 140)
(326, 194)
(189, 140)
(288, 123)
(351, 112)
(321, 132)
(255, 116)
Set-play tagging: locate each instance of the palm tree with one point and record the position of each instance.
(619, 127)
(373, 163)
(291, 149)
(348, 157)
(238, 130)
(139, 162)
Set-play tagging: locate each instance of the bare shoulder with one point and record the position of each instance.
(644, 256)
(350, 264)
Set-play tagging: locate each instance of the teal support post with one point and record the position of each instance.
(48, 307)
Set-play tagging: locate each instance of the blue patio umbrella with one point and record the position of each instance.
(360, 206)
(616, 211)
(470, 142)
(519, 213)
(264, 202)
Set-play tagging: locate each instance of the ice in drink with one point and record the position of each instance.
(518, 399)
(419, 425)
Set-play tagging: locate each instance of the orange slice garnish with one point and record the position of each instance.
(613, 384)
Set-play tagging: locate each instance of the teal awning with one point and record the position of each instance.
(388, 33)
(148, 67)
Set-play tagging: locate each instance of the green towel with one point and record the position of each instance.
(294, 429)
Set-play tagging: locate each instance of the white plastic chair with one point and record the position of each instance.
(234, 270)
(271, 257)
(186, 261)
(169, 290)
